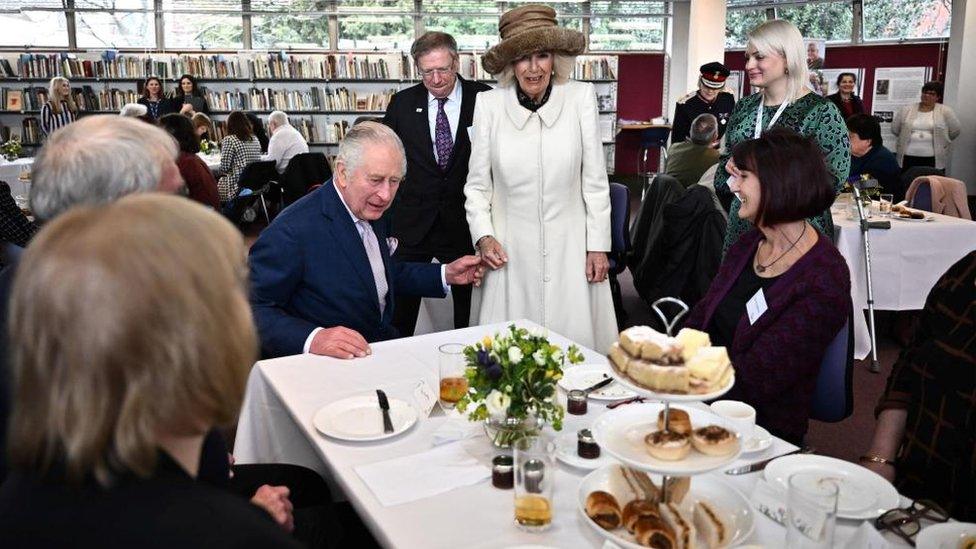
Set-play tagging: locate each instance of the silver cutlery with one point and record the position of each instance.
(760, 465)
(385, 407)
(637, 399)
(599, 385)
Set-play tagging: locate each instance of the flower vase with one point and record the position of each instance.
(503, 432)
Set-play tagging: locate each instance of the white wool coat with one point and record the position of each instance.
(537, 182)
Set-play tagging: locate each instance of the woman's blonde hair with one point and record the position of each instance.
(118, 336)
(782, 38)
(54, 95)
(199, 120)
(563, 67)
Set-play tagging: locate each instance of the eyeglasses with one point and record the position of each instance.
(439, 72)
(905, 522)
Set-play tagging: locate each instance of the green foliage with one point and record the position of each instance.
(896, 19)
(738, 23)
(832, 21)
(290, 30)
(514, 374)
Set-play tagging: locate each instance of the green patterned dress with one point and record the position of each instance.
(812, 116)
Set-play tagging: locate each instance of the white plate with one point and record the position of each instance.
(727, 500)
(863, 493)
(620, 433)
(359, 418)
(586, 375)
(566, 446)
(673, 397)
(928, 217)
(947, 535)
(759, 441)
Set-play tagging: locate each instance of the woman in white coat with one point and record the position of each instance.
(925, 130)
(538, 200)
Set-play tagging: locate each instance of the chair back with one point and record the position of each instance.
(833, 399)
(655, 137)
(910, 175)
(9, 253)
(304, 171)
(257, 175)
(923, 196)
(619, 227)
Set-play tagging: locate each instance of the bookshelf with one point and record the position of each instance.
(326, 91)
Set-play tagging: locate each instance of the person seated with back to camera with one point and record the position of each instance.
(783, 291)
(323, 276)
(286, 141)
(689, 159)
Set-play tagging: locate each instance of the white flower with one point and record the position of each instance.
(497, 403)
(557, 356)
(539, 357)
(514, 354)
(537, 332)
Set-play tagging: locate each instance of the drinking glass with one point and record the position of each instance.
(453, 384)
(811, 511)
(884, 206)
(534, 472)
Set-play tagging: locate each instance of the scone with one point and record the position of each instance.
(657, 377)
(668, 445)
(603, 508)
(714, 441)
(678, 421)
(691, 340)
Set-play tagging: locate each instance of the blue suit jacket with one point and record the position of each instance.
(309, 269)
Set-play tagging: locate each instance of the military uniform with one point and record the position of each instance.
(691, 105)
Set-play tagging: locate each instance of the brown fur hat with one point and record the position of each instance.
(530, 29)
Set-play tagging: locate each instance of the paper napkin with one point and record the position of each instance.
(770, 500)
(410, 478)
(867, 537)
(457, 428)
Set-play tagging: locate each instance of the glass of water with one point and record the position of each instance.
(811, 511)
(884, 206)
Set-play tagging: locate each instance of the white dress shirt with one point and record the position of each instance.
(452, 108)
(359, 229)
(285, 143)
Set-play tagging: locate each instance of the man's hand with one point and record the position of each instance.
(492, 252)
(597, 266)
(465, 270)
(339, 342)
(274, 500)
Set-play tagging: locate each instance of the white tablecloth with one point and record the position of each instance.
(276, 426)
(906, 261)
(10, 172)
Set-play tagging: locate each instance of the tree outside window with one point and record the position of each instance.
(832, 21)
(899, 19)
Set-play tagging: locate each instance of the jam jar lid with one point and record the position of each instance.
(586, 436)
(502, 462)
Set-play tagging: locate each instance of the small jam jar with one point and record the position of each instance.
(586, 445)
(576, 402)
(502, 472)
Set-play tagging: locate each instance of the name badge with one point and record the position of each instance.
(756, 306)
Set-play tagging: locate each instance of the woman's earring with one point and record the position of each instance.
(787, 71)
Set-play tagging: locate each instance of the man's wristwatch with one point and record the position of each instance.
(875, 458)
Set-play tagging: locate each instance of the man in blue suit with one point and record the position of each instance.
(322, 277)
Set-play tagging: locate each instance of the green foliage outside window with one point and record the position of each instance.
(832, 21)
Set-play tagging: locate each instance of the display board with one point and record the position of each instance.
(895, 88)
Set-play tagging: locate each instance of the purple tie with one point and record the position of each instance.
(442, 135)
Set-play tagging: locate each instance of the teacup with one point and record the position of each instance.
(738, 415)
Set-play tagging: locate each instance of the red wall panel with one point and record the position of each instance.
(640, 91)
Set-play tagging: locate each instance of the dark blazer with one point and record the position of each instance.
(309, 269)
(427, 193)
(881, 164)
(168, 510)
(777, 359)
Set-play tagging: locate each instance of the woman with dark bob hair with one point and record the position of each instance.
(105, 444)
(869, 155)
(200, 182)
(783, 291)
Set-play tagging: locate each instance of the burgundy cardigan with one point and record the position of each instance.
(778, 358)
(199, 179)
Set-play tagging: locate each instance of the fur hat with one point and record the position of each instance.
(530, 29)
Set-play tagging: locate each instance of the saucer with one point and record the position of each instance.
(759, 441)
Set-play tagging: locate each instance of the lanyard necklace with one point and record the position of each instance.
(759, 116)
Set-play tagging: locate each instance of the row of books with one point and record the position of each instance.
(312, 99)
(29, 132)
(393, 66)
(86, 98)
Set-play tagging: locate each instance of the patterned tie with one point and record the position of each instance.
(375, 262)
(442, 135)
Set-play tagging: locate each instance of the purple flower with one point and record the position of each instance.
(490, 366)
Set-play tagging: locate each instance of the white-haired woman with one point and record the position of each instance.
(776, 63)
(60, 109)
(538, 200)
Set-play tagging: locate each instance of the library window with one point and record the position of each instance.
(832, 21)
(627, 25)
(203, 30)
(739, 22)
(288, 30)
(366, 32)
(906, 19)
(473, 23)
(116, 29)
(34, 28)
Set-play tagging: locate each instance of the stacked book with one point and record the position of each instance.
(342, 99)
(594, 69)
(30, 131)
(207, 66)
(336, 131)
(306, 127)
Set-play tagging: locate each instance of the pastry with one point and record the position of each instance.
(667, 445)
(678, 421)
(714, 441)
(652, 531)
(683, 526)
(619, 358)
(649, 344)
(603, 508)
(969, 542)
(710, 525)
(658, 377)
(677, 489)
(709, 369)
(692, 340)
(637, 509)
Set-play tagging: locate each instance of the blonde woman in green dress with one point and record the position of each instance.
(776, 63)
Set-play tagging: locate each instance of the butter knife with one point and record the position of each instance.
(598, 385)
(760, 465)
(385, 407)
